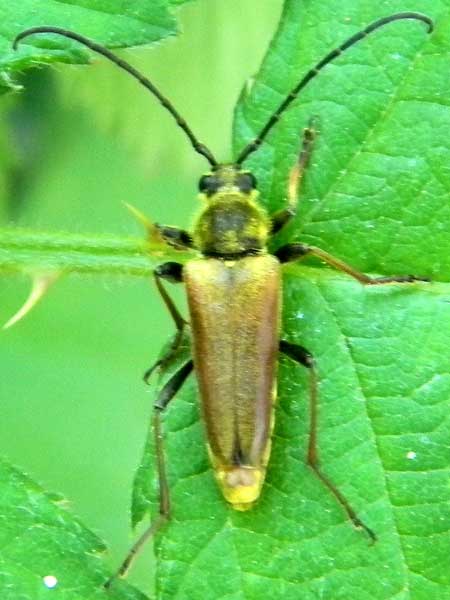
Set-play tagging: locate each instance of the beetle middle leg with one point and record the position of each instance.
(173, 272)
(283, 216)
(163, 399)
(301, 356)
(296, 251)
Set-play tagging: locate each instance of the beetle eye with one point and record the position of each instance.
(246, 182)
(208, 184)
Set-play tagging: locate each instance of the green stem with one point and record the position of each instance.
(28, 250)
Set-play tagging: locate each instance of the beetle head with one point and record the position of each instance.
(226, 178)
(232, 224)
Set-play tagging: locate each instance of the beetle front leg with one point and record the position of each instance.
(283, 216)
(170, 271)
(163, 399)
(173, 236)
(301, 356)
(296, 251)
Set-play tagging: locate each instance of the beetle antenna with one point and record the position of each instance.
(198, 146)
(254, 144)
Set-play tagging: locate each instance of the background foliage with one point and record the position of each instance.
(74, 409)
(376, 195)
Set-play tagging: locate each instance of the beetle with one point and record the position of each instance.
(234, 295)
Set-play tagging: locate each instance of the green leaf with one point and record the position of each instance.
(383, 436)
(178, 2)
(114, 23)
(376, 195)
(45, 550)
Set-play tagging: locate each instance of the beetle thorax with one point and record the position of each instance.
(232, 224)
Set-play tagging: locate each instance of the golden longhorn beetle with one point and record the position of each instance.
(234, 295)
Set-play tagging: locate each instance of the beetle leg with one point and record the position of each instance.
(303, 357)
(178, 238)
(283, 216)
(163, 399)
(296, 251)
(171, 271)
(173, 236)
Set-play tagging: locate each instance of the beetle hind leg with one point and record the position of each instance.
(303, 357)
(164, 397)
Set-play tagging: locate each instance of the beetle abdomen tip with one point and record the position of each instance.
(241, 485)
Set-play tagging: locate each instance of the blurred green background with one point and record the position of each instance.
(75, 144)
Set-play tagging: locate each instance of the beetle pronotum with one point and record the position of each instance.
(233, 289)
